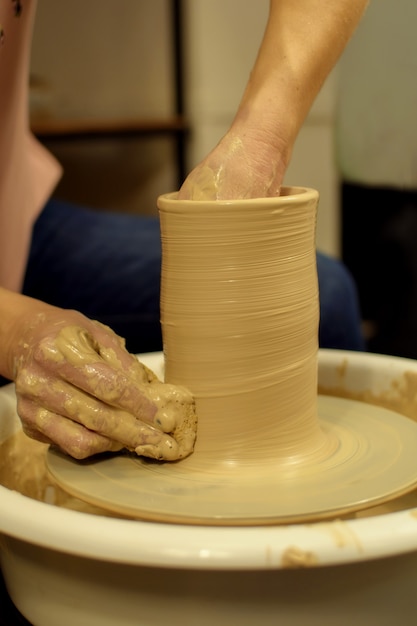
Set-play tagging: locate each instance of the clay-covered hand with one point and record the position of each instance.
(242, 165)
(79, 388)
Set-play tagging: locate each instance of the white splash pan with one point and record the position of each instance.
(66, 567)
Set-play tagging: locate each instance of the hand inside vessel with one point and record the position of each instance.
(242, 165)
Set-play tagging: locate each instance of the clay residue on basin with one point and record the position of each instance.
(400, 397)
(294, 557)
(23, 469)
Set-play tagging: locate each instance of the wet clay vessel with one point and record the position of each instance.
(240, 314)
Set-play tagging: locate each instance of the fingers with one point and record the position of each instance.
(176, 415)
(109, 372)
(82, 425)
(72, 438)
(81, 442)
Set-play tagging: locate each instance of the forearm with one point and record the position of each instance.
(302, 42)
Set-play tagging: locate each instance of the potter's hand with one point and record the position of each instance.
(77, 387)
(240, 166)
(300, 47)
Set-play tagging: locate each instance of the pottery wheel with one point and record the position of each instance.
(371, 459)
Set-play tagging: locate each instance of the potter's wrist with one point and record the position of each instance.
(10, 344)
(10, 312)
(267, 129)
(16, 338)
(263, 144)
(18, 313)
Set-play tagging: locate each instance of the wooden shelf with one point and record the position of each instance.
(51, 128)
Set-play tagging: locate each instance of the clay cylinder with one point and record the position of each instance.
(239, 314)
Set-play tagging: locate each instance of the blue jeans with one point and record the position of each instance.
(107, 265)
(340, 316)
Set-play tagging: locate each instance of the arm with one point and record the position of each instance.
(302, 42)
(77, 386)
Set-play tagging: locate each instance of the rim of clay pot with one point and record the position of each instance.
(228, 548)
(291, 195)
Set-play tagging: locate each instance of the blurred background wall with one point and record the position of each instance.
(114, 60)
